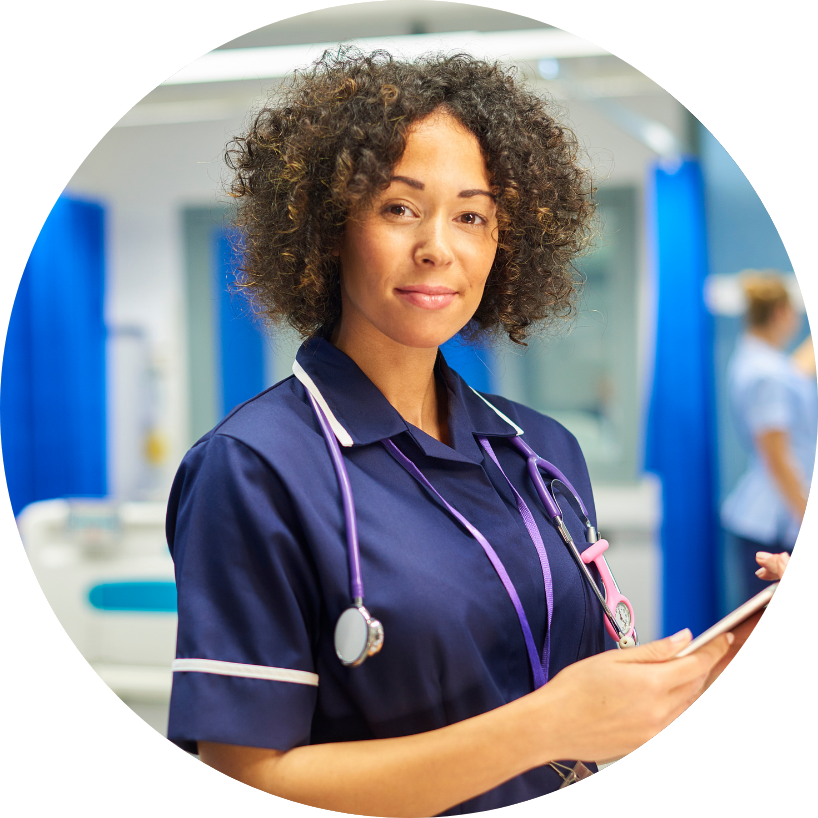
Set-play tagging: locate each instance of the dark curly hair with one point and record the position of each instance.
(328, 144)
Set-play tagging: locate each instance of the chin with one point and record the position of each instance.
(419, 337)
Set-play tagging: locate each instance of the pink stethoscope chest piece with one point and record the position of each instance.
(618, 604)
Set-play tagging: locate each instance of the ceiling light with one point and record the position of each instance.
(528, 45)
(549, 68)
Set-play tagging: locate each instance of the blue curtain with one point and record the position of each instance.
(680, 445)
(239, 337)
(52, 393)
(472, 363)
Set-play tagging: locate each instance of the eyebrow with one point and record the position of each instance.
(464, 194)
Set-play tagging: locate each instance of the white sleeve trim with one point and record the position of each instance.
(271, 674)
(508, 420)
(342, 434)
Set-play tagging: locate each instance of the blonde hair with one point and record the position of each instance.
(765, 292)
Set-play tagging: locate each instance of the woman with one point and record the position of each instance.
(385, 206)
(774, 403)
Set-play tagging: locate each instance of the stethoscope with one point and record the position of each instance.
(359, 635)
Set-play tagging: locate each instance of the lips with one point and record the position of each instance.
(427, 296)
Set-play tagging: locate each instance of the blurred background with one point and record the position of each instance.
(125, 345)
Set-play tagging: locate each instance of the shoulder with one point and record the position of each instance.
(268, 425)
(754, 362)
(247, 455)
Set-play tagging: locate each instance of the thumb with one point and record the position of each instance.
(659, 651)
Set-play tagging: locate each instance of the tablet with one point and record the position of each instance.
(732, 620)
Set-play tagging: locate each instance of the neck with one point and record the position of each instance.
(404, 375)
(768, 335)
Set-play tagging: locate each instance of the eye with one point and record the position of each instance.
(399, 210)
(472, 218)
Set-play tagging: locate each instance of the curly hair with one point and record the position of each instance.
(327, 145)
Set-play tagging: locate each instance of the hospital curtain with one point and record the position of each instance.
(472, 362)
(240, 344)
(52, 393)
(680, 445)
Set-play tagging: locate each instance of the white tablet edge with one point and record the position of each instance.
(730, 621)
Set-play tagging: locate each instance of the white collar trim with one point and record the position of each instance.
(508, 420)
(341, 433)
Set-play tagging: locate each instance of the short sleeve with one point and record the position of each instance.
(247, 601)
(768, 405)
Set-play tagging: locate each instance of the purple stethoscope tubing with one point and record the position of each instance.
(357, 633)
(356, 583)
(535, 463)
(624, 633)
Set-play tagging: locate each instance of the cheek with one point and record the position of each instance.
(366, 267)
(480, 264)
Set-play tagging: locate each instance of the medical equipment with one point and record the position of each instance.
(105, 569)
(358, 635)
(619, 622)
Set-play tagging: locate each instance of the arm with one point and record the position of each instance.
(804, 358)
(774, 446)
(596, 709)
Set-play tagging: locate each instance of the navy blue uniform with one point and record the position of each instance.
(257, 533)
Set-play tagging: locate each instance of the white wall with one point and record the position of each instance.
(144, 176)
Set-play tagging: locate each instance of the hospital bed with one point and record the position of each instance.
(105, 569)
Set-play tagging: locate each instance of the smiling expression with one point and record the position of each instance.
(415, 263)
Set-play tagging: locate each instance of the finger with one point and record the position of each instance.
(658, 651)
(773, 562)
(701, 662)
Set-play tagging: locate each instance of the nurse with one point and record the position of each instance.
(775, 406)
(386, 206)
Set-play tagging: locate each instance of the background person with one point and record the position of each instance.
(774, 402)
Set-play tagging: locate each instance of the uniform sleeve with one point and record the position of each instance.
(248, 604)
(768, 406)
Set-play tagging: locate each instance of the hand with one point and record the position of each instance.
(609, 704)
(772, 565)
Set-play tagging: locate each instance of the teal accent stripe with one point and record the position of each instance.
(149, 596)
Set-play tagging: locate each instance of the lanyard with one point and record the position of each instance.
(536, 538)
(539, 665)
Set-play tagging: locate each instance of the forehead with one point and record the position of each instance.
(441, 145)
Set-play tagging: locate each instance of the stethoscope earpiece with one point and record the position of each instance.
(357, 636)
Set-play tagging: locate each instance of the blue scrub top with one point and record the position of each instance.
(768, 392)
(257, 533)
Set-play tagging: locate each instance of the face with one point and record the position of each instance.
(414, 264)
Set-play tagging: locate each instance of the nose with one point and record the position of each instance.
(433, 247)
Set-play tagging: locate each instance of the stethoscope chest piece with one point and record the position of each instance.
(357, 636)
(622, 614)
